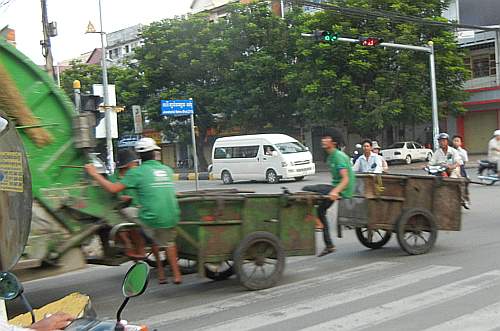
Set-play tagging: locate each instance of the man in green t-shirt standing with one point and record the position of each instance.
(159, 211)
(343, 183)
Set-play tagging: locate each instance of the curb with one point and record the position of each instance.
(192, 176)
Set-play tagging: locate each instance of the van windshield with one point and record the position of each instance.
(291, 147)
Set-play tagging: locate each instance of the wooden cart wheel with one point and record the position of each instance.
(416, 231)
(259, 260)
(219, 271)
(373, 239)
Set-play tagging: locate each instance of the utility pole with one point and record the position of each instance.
(49, 30)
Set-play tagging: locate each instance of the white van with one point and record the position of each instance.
(269, 157)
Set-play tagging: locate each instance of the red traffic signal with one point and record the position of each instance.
(370, 41)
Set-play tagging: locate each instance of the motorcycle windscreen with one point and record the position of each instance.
(15, 195)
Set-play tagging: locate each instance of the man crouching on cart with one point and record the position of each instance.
(343, 184)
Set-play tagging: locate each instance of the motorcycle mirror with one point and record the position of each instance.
(136, 280)
(10, 288)
(134, 284)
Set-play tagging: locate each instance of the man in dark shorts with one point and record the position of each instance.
(159, 211)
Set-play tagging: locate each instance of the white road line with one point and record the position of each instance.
(314, 305)
(386, 312)
(484, 319)
(253, 297)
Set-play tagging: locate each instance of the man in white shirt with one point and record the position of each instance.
(369, 162)
(494, 149)
(447, 156)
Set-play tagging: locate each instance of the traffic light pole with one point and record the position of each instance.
(428, 49)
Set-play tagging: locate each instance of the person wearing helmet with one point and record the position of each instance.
(494, 150)
(159, 210)
(447, 156)
(133, 239)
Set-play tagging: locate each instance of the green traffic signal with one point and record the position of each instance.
(325, 36)
(329, 36)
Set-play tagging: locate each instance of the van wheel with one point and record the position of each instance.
(298, 179)
(272, 177)
(226, 177)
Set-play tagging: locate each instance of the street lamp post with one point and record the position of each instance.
(105, 94)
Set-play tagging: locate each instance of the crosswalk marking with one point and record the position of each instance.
(332, 300)
(485, 319)
(252, 297)
(383, 313)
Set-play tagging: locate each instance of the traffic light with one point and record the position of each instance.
(370, 41)
(90, 102)
(325, 36)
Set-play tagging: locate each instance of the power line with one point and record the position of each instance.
(353, 11)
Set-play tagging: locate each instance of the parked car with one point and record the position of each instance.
(128, 141)
(407, 151)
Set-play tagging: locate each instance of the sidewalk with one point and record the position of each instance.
(472, 164)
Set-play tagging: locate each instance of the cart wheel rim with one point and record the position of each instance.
(219, 271)
(417, 233)
(373, 238)
(259, 261)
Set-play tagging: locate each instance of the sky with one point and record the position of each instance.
(72, 17)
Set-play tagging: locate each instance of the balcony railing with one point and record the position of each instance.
(480, 82)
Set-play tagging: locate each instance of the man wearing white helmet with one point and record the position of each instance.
(494, 149)
(159, 211)
(447, 156)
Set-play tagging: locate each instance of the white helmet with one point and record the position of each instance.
(496, 133)
(146, 145)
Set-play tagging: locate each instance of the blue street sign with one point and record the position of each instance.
(177, 107)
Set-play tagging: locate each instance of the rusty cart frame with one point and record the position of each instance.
(229, 232)
(412, 207)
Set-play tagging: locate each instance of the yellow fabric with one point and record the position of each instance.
(73, 304)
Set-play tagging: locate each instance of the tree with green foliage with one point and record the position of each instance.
(128, 80)
(372, 88)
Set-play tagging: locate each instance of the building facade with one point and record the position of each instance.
(121, 43)
(483, 52)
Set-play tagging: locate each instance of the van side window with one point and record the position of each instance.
(223, 153)
(245, 152)
(240, 152)
(268, 150)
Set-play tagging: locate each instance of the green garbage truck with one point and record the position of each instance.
(44, 144)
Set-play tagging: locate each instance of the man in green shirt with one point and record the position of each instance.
(343, 183)
(159, 211)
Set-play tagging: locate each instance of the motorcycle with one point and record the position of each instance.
(437, 170)
(134, 284)
(356, 153)
(487, 172)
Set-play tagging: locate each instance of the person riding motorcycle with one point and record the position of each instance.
(447, 156)
(494, 149)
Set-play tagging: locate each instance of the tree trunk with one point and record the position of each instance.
(200, 148)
